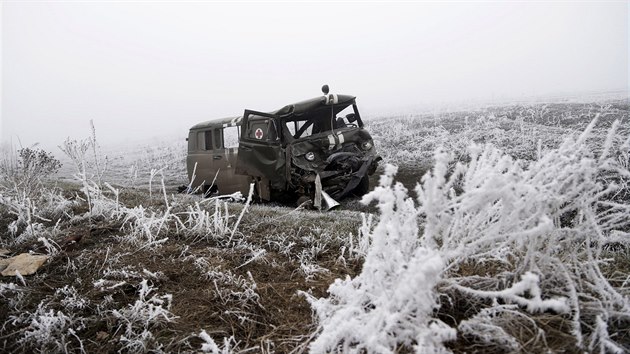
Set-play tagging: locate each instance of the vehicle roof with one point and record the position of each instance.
(219, 122)
(297, 108)
(311, 104)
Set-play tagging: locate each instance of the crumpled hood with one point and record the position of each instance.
(325, 145)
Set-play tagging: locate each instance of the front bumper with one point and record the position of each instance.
(338, 183)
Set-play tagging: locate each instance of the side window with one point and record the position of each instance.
(201, 141)
(292, 128)
(300, 128)
(309, 128)
(208, 136)
(230, 137)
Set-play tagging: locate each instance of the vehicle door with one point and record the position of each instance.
(260, 152)
(224, 161)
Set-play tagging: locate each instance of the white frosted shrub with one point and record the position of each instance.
(545, 223)
(392, 301)
(548, 222)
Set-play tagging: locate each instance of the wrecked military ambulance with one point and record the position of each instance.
(290, 154)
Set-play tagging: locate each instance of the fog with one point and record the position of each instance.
(144, 69)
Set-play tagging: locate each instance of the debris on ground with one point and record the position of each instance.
(25, 264)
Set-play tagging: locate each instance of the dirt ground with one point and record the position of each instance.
(274, 316)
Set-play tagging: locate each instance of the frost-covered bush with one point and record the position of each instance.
(552, 219)
(390, 304)
(540, 226)
(25, 195)
(24, 171)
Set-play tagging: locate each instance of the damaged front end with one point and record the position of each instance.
(343, 159)
(303, 149)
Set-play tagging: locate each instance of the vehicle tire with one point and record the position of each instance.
(363, 187)
(209, 191)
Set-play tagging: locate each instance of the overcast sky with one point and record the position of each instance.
(142, 69)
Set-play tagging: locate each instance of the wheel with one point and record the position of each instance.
(209, 191)
(363, 187)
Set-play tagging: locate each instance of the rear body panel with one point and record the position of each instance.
(209, 163)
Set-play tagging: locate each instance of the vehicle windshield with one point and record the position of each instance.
(321, 120)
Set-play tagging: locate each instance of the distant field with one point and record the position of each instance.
(131, 166)
(517, 241)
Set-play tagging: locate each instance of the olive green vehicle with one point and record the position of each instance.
(290, 154)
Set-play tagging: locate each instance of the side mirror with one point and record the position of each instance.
(325, 89)
(351, 118)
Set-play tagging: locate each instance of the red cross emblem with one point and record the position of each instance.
(258, 134)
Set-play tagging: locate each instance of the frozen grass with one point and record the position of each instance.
(141, 165)
(517, 244)
(520, 131)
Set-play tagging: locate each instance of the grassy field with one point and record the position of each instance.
(516, 240)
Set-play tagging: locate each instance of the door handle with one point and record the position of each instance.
(217, 157)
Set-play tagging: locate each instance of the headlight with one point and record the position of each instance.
(310, 156)
(366, 145)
